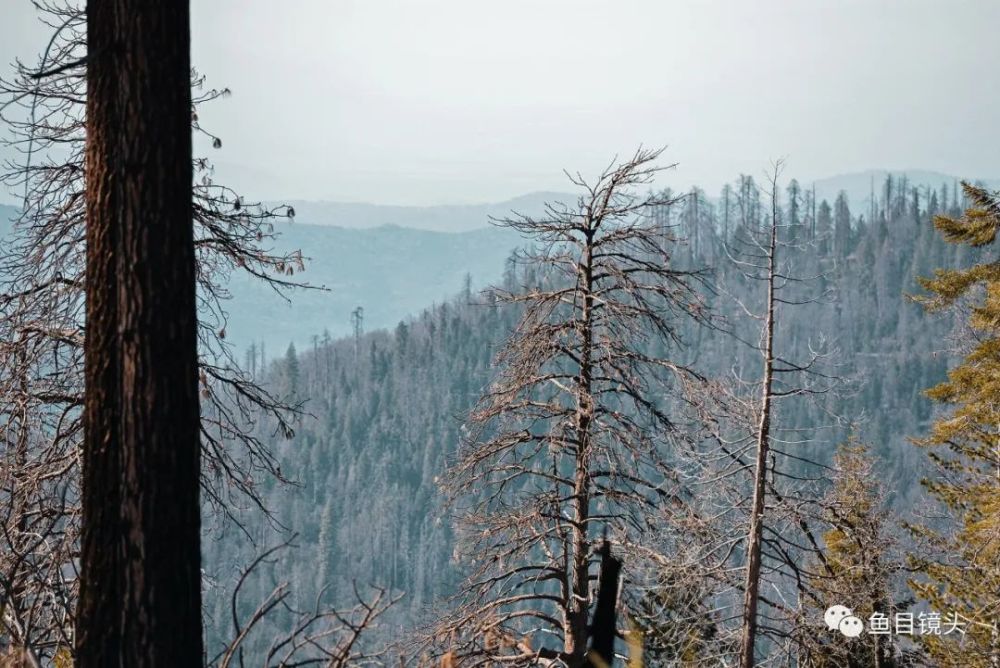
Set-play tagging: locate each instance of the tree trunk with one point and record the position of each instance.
(575, 645)
(140, 597)
(604, 629)
(752, 586)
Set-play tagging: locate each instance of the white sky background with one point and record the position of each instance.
(455, 101)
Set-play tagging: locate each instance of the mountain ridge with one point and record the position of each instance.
(438, 218)
(467, 217)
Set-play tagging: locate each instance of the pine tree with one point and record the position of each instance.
(726, 206)
(964, 447)
(292, 370)
(841, 225)
(856, 569)
(824, 227)
(794, 204)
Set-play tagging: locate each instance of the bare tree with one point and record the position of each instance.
(760, 259)
(747, 531)
(752, 587)
(572, 439)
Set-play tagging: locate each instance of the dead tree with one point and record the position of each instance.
(760, 260)
(752, 587)
(691, 600)
(573, 437)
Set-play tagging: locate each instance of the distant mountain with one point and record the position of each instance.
(461, 218)
(392, 272)
(444, 218)
(395, 260)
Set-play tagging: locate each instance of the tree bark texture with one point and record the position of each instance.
(140, 599)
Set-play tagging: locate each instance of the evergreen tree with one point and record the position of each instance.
(824, 226)
(964, 446)
(726, 206)
(856, 568)
(748, 203)
(932, 202)
(841, 225)
(794, 203)
(292, 371)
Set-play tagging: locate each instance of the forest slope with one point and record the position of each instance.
(386, 408)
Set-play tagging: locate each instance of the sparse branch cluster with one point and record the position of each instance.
(320, 636)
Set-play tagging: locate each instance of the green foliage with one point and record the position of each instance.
(962, 572)
(978, 227)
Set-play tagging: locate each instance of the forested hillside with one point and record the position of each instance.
(385, 410)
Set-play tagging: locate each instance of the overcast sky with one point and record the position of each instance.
(456, 101)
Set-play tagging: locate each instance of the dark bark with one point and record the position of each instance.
(140, 599)
(604, 628)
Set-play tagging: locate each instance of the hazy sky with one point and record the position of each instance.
(451, 101)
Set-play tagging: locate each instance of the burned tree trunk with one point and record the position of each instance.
(752, 587)
(604, 628)
(140, 600)
(575, 641)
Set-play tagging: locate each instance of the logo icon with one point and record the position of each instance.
(840, 618)
(851, 626)
(834, 615)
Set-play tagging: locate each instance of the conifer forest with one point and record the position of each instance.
(257, 413)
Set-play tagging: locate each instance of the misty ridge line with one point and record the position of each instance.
(467, 217)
